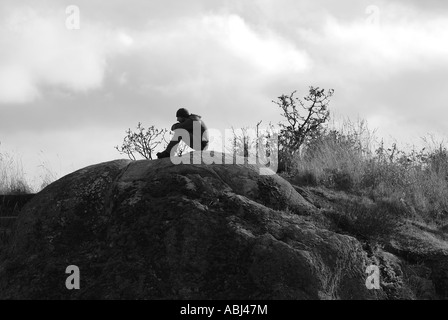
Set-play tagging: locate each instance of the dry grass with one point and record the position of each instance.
(13, 179)
(12, 176)
(350, 159)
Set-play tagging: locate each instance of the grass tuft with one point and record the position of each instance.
(350, 159)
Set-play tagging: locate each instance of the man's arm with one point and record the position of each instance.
(187, 125)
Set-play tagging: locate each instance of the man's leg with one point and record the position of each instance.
(172, 145)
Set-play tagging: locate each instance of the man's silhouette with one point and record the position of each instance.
(197, 138)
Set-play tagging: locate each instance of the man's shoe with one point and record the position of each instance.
(163, 154)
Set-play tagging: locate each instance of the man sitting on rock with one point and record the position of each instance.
(191, 128)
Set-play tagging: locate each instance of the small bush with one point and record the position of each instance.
(305, 178)
(368, 221)
(336, 158)
(304, 120)
(339, 179)
(142, 143)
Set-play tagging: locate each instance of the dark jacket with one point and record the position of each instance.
(188, 125)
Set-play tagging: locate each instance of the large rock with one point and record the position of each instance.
(155, 230)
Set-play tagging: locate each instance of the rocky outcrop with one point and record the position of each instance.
(156, 230)
(10, 206)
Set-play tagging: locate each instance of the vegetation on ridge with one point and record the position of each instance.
(315, 153)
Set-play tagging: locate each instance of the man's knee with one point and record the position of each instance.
(180, 134)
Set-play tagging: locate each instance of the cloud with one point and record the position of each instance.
(382, 67)
(210, 62)
(267, 51)
(401, 40)
(38, 50)
(16, 85)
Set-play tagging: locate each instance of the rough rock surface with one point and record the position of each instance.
(413, 258)
(155, 230)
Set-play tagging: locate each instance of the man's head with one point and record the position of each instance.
(182, 114)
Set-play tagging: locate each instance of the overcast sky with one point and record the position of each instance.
(68, 94)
